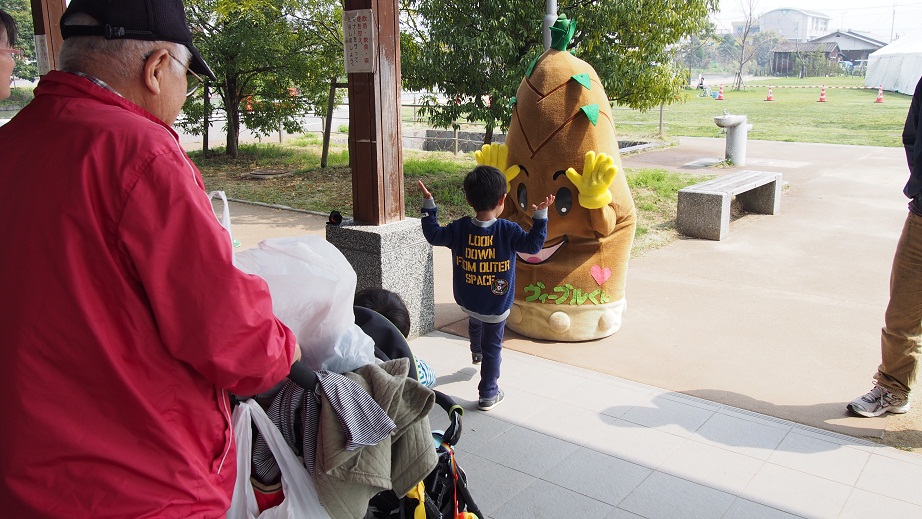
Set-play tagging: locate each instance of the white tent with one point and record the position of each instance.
(897, 66)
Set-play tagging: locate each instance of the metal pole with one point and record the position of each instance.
(549, 18)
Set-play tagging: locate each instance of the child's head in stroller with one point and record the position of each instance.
(391, 306)
(387, 303)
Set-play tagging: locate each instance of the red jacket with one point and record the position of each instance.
(123, 323)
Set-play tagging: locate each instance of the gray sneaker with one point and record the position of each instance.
(878, 401)
(485, 404)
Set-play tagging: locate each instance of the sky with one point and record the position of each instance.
(859, 15)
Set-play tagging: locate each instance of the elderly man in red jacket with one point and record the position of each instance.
(123, 323)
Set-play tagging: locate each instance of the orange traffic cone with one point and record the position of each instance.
(769, 98)
(720, 93)
(822, 98)
(880, 94)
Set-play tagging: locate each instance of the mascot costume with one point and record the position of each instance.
(561, 141)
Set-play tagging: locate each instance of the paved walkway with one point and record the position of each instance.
(795, 336)
(572, 443)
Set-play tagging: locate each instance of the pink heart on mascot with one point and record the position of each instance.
(599, 274)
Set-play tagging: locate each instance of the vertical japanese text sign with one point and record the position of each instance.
(359, 41)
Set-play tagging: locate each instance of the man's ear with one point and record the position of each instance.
(156, 67)
(502, 199)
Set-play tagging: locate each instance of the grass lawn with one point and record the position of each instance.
(292, 177)
(849, 115)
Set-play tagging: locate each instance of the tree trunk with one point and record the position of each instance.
(488, 135)
(233, 116)
(206, 117)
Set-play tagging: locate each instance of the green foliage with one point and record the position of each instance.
(632, 45)
(19, 97)
(21, 11)
(274, 60)
(475, 55)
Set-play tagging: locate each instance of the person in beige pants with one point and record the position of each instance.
(901, 336)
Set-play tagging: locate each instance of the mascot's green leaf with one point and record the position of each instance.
(583, 79)
(592, 112)
(531, 66)
(511, 102)
(562, 32)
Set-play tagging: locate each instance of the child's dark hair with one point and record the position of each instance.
(484, 186)
(9, 25)
(387, 303)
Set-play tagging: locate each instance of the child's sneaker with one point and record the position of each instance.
(879, 401)
(485, 404)
(476, 358)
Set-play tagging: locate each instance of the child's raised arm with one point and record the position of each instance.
(422, 187)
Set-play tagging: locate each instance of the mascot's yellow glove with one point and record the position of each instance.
(598, 173)
(496, 155)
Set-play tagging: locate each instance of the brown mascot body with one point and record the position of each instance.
(562, 138)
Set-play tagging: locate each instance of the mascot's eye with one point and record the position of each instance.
(564, 201)
(522, 195)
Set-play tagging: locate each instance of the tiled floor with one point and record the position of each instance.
(568, 443)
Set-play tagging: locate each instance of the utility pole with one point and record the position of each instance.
(550, 17)
(892, 23)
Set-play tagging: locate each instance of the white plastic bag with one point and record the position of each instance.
(312, 286)
(301, 500)
(225, 215)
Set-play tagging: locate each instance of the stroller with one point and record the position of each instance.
(443, 494)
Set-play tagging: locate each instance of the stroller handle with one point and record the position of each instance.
(303, 376)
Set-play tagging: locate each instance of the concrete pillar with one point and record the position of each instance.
(394, 256)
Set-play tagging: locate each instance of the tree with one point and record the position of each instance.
(696, 50)
(475, 54)
(764, 42)
(21, 11)
(745, 49)
(272, 58)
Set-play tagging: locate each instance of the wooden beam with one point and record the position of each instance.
(375, 137)
(46, 18)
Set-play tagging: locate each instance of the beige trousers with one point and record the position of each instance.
(901, 336)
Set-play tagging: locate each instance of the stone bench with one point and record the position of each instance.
(704, 209)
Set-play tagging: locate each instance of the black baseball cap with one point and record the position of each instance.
(152, 20)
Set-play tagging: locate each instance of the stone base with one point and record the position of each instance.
(396, 257)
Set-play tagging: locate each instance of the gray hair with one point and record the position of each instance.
(121, 58)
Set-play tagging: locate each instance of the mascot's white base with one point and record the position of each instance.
(569, 323)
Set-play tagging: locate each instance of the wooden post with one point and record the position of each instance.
(46, 18)
(375, 138)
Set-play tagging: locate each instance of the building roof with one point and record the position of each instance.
(814, 14)
(790, 46)
(874, 43)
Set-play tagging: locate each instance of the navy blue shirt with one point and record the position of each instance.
(483, 259)
(913, 148)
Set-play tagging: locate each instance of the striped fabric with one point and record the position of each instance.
(296, 413)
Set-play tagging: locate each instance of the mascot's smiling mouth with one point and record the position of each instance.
(545, 254)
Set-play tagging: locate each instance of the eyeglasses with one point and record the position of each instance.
(16, 54)
(193, 80)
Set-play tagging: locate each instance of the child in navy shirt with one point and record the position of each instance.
(483, 250)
